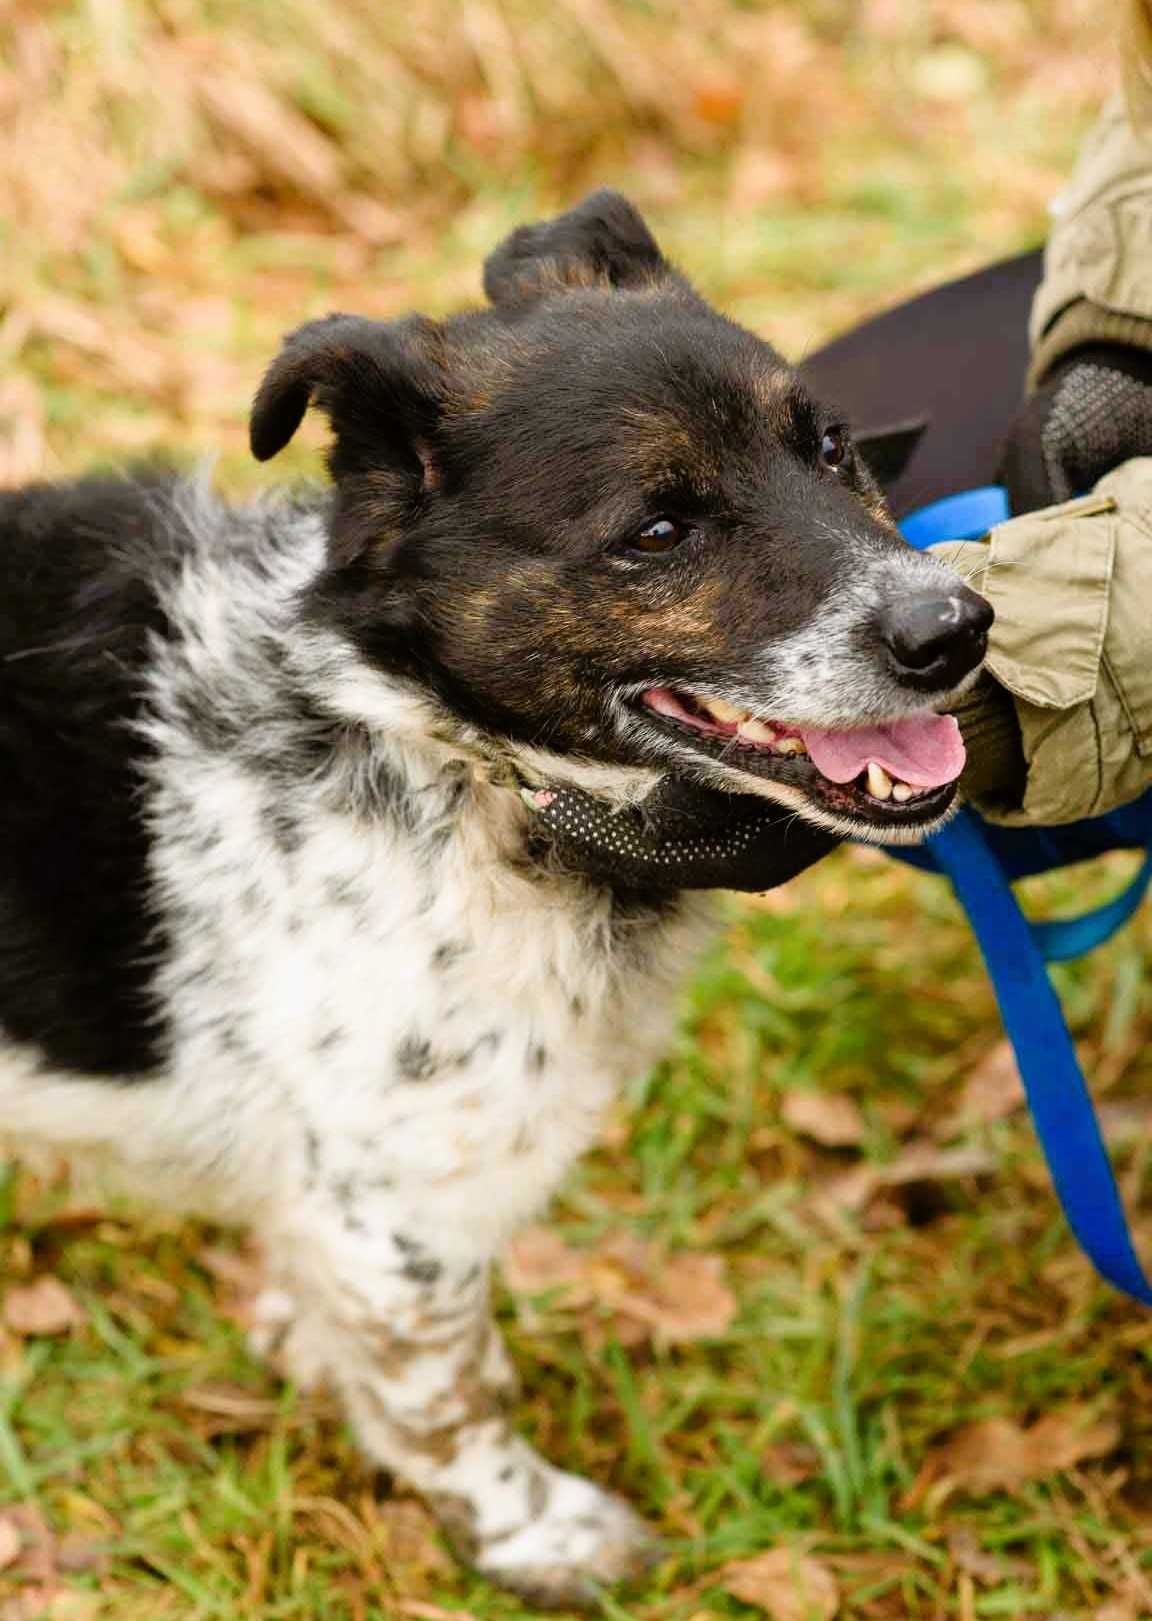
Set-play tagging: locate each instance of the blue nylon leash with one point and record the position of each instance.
(966, 516)
(980, 863)
(1077, 936)
(1058, 1095)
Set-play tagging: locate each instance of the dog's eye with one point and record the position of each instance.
(662, 535)
(834, 448)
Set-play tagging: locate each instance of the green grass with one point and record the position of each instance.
(805, 165)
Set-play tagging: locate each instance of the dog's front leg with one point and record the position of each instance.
(397, 1317)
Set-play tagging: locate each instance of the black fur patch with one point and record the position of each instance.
(418, 1265)
(78, 929)
(415, 1060)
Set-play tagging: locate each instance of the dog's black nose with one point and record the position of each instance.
(936, 640)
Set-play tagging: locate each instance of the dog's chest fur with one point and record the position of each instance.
(387, 1006)
(363, 985)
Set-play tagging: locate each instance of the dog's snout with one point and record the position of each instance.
(936, 639)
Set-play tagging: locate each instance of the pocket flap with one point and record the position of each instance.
(1048, 576)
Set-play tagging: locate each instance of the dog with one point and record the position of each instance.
(278, 937)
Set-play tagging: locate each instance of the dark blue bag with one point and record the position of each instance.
(981, 861)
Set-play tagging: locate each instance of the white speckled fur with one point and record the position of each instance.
(389, 1036)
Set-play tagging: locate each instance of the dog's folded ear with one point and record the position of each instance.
(380, 384)
(603, 242)
(382, 387)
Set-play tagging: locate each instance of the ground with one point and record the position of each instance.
(811, 1303)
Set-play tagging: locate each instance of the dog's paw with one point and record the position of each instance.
(279, 1336)
(582, 1540)
(497, 1372)
(272, 1314)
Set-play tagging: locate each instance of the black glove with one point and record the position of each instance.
(681, 837)
(1092, 412)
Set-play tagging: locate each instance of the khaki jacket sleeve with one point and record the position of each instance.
(1072, 646)
(1097, 283)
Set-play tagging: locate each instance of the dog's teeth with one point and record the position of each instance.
(755, 731)
(902, 792)
(879, 782)
(790, 745)
(720, 709)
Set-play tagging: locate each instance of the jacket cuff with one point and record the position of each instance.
(995, 774)
(1071, 587)
(1080, 324)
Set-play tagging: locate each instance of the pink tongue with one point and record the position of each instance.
(925, 751)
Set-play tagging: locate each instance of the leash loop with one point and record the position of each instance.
(980, 862)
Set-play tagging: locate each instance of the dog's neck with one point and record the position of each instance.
(308, 711)
(400, 753)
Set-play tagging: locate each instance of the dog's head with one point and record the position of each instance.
(607, 531)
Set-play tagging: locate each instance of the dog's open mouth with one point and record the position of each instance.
(899, 775)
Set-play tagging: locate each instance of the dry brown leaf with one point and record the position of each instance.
(35, 1561)
(1125, 1121)
(77, 1556)
(847, 1192)
(241, 1277)
(38, 1559)
(272, 132)
(223, 1399)
(134, 357)
(789, 1463)
(890, 1566)
(786, 1585)
(970, 1557)
(759, 175)
(922, 1161)
(829, 1118)
(11, 1542)
(899, 1114)
(230, 1409)
(30, 1604)
(23, 426)
(242, 1270)
(992, 1091)
(42, 1308)
(718, 103)
(420, 1610)
(690, 1302)
(1000, 1454)
(538, 1259)
(917, 1161)
(409, 1539)
(74, 1605)
(648, 1294)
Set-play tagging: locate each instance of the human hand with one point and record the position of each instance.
(1092, 412)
